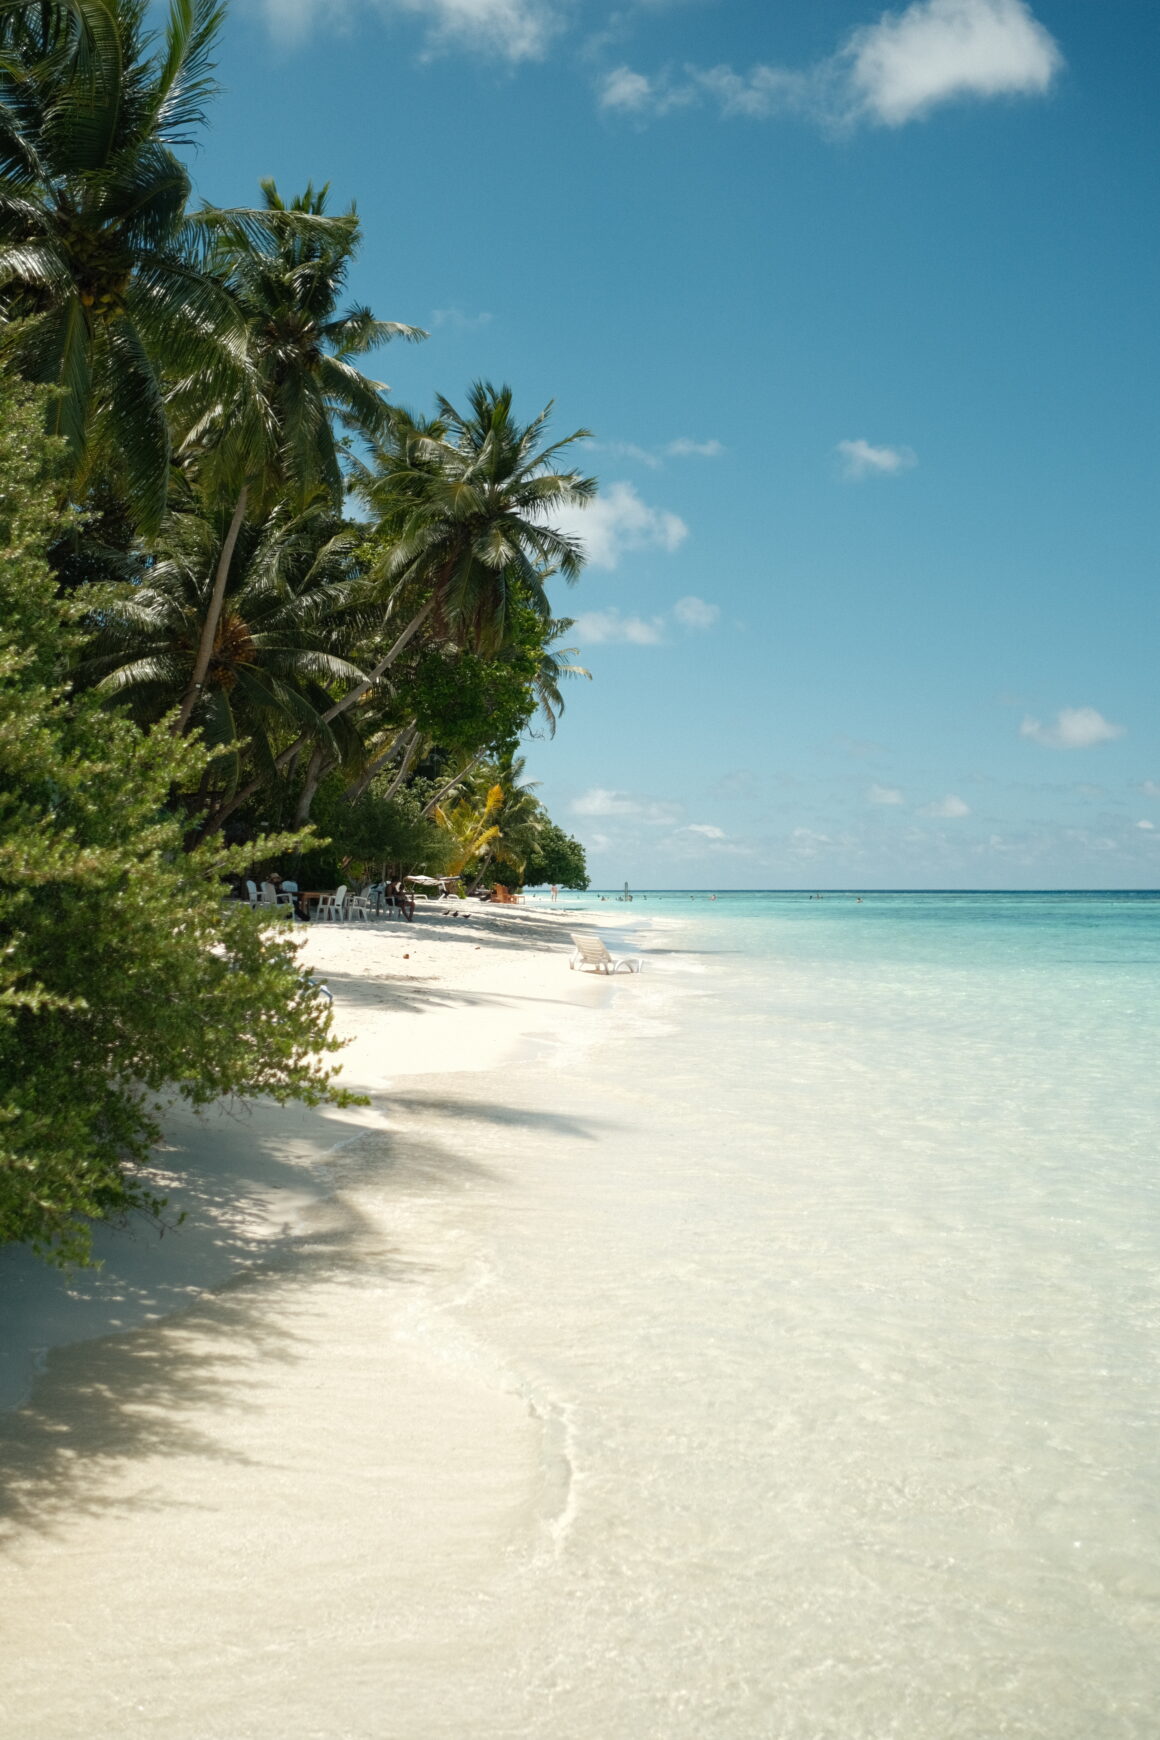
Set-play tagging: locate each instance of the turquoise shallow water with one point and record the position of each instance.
(835, 1276)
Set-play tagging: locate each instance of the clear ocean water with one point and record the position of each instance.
(831, 1274)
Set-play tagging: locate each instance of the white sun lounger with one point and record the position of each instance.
(589, 951)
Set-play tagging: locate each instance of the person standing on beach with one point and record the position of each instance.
(555, 893)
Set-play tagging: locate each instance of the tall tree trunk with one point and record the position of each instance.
(316, 768)
(213, 615)
(405, 766)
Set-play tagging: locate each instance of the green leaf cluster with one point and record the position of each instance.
(556, 857)
(123, 974)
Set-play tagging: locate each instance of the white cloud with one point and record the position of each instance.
(514, 29)
(603, 801)
(884, 794)
(457, 321)
(695, 613)
(862, 460)
(597, 627)
(1149, 826)
(618, 520)
(683, 448)
(939, 50)
(884, 74)
(706, 829)
(629, 91)
(951, 808)
(1151, 788)
(1074, 728)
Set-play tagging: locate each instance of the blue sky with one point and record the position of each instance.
(861, 308)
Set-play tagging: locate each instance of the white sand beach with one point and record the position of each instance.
(227, 1445)
(763, 1345)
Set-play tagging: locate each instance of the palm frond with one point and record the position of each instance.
(184, 82)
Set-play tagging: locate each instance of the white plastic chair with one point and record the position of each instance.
(330, 907)
(358, 906)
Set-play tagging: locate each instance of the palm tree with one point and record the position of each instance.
(287, 272)
(472, 827)
(278, 650)
(551, 669)
(466, 503)
(499, 824)
(102, 295)
(285, 269)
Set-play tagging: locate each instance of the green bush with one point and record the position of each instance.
(122, 972)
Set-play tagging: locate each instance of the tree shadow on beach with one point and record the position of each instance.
(458, 1107)
(106, 1401)
(145, 1393)
(420, 994)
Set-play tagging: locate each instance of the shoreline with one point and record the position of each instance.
(444, 995)
(226, 1463)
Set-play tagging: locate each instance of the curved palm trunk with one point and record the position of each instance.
(407, 738)
(452, 783)
(405, 765)
(379, 671)
(213, 616)
(214, 822)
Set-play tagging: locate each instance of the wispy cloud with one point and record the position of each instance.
(683, 448)
(861, 459)
(604, 801)
(515, 30)
(950, 808)
(654, 457)
(618, 521)
(884, 794)
(1151, 788)
(693, 612)
(455, 320)
(885, 74)
(628, 450)
(1074, 728)
(706, 830)
(1147, 826)
(599, 627)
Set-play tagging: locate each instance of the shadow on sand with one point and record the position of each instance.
(150, 1392)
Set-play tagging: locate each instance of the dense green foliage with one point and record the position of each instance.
(123, 975)
(556, 857)
(201, 655)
